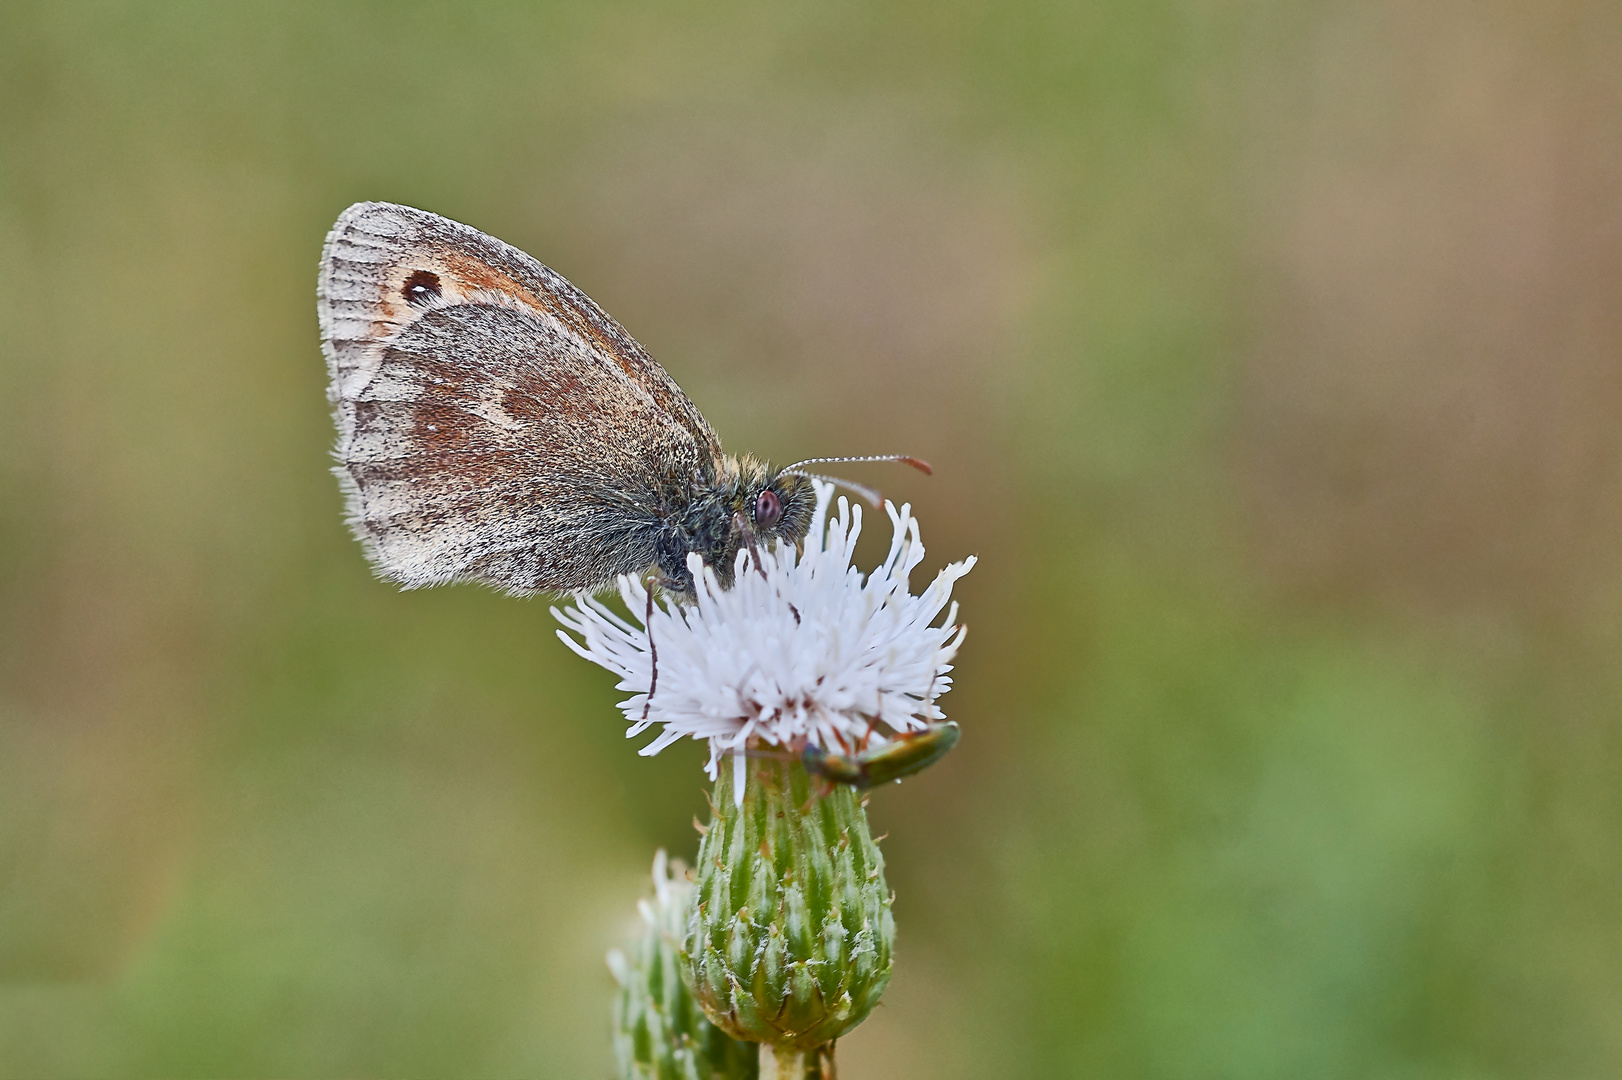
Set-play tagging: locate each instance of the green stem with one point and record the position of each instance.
(790, 1063)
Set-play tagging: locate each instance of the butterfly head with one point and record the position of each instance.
(761, 505)
(748, 505)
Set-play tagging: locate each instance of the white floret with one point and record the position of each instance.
(804, 651)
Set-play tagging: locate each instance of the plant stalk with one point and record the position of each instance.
(791, 1063)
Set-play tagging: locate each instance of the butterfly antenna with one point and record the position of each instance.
(906, 459)
(870, 494)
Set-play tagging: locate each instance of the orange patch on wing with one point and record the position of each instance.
(470, 275)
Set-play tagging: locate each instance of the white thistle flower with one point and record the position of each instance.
(807, 652)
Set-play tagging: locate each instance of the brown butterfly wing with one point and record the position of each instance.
(494, 424)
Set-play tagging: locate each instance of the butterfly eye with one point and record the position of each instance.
(421, 287)
(768, 509)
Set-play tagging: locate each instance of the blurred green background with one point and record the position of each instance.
(1269, 355)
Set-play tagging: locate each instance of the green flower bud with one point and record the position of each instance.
(790, 934)
(659, 1032)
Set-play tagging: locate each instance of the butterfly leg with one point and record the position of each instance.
(740, 525)
(653, 650)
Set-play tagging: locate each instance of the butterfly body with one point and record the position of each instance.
(495, 425)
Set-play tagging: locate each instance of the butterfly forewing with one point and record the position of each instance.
(488, 410)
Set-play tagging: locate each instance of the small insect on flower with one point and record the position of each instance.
(910, 753)
(807, 656)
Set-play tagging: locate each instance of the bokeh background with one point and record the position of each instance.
(1269, 355)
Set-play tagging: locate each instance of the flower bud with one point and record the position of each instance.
(659, 1032)
(790, 934)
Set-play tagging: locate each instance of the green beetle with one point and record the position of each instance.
(908, 753)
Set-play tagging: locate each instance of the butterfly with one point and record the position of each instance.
(497, 426)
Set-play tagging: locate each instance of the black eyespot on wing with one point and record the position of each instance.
(768, 509)
(421, 287)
